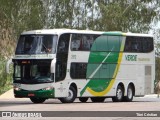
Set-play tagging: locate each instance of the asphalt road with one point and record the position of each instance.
(139, 105)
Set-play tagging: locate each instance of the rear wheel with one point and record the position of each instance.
(97, 99)
(37, 100)
(119, 94)
(130, 93)
(83, 99)
(71, 96)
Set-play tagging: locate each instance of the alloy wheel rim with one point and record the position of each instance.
(70, 94)
(119, 94)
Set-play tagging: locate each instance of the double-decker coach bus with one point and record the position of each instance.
(68, 64)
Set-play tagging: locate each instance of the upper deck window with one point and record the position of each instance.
(36, 44)
(139, 44)
(82, 42)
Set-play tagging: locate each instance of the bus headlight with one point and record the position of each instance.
(48, 88)
(17, 88)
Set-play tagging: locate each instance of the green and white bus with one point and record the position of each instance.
(67, 64)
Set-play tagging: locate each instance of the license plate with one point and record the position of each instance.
(31, 95)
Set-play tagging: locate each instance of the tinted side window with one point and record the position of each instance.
(82, 42)
(62, 57)
(138, 44)
(78, 70)
(148, 45)
(63, 43)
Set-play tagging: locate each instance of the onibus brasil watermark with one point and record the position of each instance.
(21, 114)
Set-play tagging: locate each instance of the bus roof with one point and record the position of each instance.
(60, 31)
(118, 33)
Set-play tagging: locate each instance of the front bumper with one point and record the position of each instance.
(35, 93)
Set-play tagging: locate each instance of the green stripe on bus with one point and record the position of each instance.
(103, 61)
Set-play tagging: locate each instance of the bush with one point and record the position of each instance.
(5, 79)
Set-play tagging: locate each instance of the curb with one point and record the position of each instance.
(151, 96)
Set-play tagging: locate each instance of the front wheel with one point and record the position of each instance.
(119, 94)
(71, 96)
(37, 100)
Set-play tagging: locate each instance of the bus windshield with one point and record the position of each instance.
(36, 44)
(32, 72)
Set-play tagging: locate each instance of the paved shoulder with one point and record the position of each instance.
(7, 95)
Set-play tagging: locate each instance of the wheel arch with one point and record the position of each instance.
(73, 85)
(120, 90)
(72, 94)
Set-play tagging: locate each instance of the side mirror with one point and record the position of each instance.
(53, 64)
(8, 66)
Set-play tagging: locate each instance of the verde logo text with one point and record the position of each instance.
(131, 57)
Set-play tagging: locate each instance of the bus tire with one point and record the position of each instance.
(130, 93)
(83, 99)
(71, 97)
(37, 100)
(97, 99)
(119, 94)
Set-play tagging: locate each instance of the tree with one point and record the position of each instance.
(15, 17)
(156, 32)
(121, 15)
